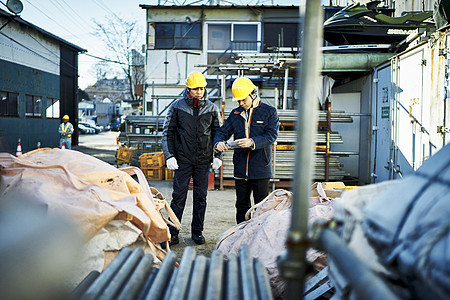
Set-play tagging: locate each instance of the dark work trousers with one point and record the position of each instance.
(260, 188)
(181, 178)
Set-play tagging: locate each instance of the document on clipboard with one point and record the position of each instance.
(232, 144)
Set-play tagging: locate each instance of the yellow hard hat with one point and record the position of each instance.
(66, 117)
(195, 80)
(242, 87)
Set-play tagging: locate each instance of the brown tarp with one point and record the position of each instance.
(85, 190)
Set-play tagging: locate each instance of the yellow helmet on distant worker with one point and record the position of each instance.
(66, 117)
(242, 87)
(195, 80)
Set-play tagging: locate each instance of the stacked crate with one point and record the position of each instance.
(124, 155)
(152, 165)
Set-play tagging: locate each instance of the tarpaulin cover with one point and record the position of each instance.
(84, 189)
(408, 224)
(266, 231)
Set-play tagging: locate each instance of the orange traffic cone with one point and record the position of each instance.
(38, 145)
(63, 146)
(19, 149)
(117, 140)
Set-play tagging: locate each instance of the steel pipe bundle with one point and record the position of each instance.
(131, 276)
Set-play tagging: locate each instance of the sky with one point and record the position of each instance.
(73, 21)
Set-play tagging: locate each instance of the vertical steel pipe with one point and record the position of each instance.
(233, 286)
(148, 283)
(214, 285)
(105, 277)
(169, 288)
(292, 265)
(198, 279)
(262, 281)
(136, 281)
(180, 288)
(248, 280)
(84, 285)
(159, 285)
(122, 275)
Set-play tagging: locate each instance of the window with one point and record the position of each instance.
(242, 37)
(280, 35)
(177, 36)
(9, 104)
(33, 105)
(52, 108)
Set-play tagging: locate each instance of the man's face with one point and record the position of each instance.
(65, 120)
(197, 93)
(246, 103)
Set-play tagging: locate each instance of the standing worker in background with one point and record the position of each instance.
(255, 128)
(187, 142)
(65, 131)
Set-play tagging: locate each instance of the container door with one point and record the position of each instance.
(409, 131)
(381, 125)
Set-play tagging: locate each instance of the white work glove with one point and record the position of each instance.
(217, 162)
(172, 163)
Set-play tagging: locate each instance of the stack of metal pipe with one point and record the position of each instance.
(131, 275)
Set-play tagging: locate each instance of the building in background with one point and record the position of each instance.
(38, 83)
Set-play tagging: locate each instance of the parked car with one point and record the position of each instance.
(84, 129)
(114, 126)
(96, 128)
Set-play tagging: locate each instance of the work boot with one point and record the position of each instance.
(198, 238)
(174, 240)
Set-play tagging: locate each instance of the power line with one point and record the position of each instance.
(105, 59)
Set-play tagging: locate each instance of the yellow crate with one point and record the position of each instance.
(169, 174)
(154, 173)
(151, 160)
(124, 154)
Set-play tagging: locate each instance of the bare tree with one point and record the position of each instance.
(121, 37)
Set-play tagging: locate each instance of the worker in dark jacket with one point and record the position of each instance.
(188, 134)
(255, 128)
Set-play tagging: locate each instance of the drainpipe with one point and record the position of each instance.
(292, 263)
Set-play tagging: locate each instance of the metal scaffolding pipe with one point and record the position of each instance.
(198, 279)
(292, 264)
(137, 279)
(84, 285)
(214, 286)
(122, 275)
(103, 280)
(181, 286)
(363, 281)
(233, 286)
(262, 279)
(247, 275)
(148, 284)
(159, 285)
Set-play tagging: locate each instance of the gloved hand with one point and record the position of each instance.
(172, 163)
(217, 162)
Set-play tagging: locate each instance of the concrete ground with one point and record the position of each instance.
(220, 210)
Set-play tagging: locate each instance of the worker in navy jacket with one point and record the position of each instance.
(255, 128)
(189, 128)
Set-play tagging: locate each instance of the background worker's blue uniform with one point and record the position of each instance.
(252, 166)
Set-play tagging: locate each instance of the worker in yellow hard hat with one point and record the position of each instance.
(65, 132)
(188, 133)
(254, 125)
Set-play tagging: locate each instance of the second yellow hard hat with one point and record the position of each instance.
(242, 87)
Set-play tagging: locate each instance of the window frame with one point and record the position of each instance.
(175, 40)
(37, 110)
(8, 106)
(54, 109)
